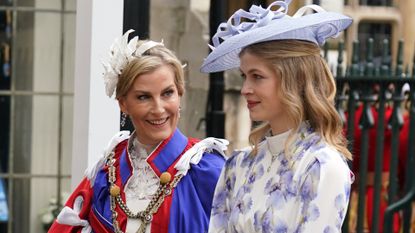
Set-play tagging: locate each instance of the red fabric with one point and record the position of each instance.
(382, 209)
(403, 149)
(84, 189)
(372, 141)
(155, 153)
(161, 219)
(387, 154)
(122, 217)
(97, 225)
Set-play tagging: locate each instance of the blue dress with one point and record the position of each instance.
(269, 192)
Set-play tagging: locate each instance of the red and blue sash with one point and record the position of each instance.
(187, 209)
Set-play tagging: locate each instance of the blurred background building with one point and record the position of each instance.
(54, 116)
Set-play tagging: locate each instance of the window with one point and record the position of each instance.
(376, 2)
(377, 31)
(36, 92)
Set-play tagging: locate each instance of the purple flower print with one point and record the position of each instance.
(276, 199)
(280, 226)
(329, 229)
(313, 213)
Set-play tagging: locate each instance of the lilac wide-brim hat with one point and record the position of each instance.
(266, 25)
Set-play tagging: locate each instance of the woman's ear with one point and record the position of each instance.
(122, 104)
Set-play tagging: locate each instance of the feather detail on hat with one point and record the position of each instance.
(121, 53)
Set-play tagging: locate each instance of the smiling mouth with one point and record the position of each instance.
(252, 104)
(158, 122)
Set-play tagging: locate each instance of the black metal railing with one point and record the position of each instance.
(379, 118)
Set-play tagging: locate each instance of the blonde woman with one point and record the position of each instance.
(294, 177)
(156, 179)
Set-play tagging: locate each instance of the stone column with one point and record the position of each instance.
(407, 8)
(96, 117)
(184, 26)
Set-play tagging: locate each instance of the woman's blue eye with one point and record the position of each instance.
(258, 76)
(169, 93)
(142, 97)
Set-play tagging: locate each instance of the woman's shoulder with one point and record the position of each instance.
(241, 152)
(334, 163)
(326, 159)
(202, 155)
(327, 154)
(311, 146)
(116, 144)
(238, 157)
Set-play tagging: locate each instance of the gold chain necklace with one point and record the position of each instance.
(145, 216)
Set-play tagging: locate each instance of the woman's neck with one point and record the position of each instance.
(148, 147)
(281, 127)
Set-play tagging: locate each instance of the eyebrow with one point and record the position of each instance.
(253, 70)
(149, 93)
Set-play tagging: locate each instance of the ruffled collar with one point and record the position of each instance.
(136, 149)
(164, 155)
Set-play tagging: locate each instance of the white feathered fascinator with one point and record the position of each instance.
(121, 53)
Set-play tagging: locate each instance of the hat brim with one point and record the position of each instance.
(315, 27)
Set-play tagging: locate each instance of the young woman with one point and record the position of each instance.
(156, 180)
(295, 177)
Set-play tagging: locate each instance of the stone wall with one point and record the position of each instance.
(184, 26)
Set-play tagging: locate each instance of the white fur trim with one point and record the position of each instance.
(91, 171)
(194, 154)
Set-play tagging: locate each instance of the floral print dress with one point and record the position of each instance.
(270, 193)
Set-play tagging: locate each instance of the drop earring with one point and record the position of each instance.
(123, 119)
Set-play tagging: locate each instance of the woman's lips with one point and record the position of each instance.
(252, 104)
(158, 123)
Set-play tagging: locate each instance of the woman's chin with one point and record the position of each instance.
(254, 117)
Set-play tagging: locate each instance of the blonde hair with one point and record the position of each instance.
(308, 88)
(148, 62)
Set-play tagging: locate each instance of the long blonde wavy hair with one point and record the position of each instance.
(308, 88)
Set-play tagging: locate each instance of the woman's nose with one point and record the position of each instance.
(158, 107)
(246, 88)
